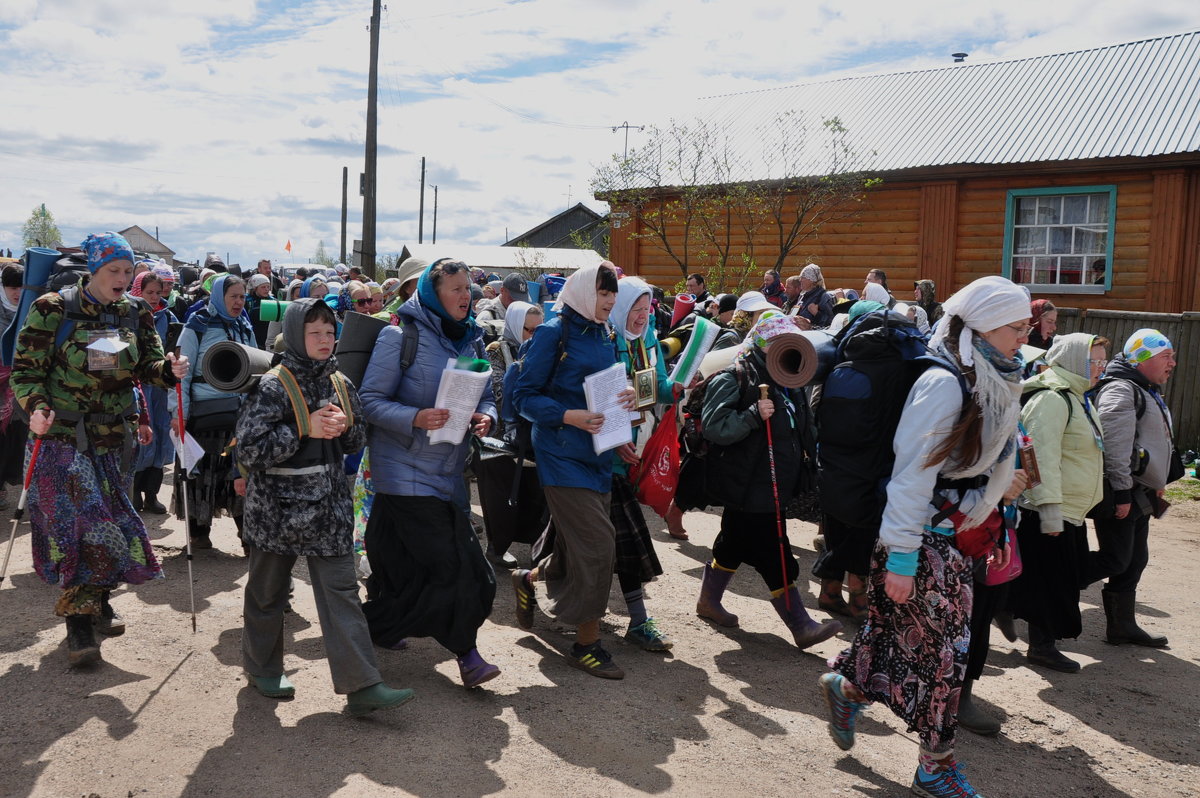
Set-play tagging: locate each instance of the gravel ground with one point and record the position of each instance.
(168, 712)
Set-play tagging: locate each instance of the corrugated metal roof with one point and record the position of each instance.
(1138, 98)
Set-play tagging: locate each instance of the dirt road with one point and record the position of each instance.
(736, 712)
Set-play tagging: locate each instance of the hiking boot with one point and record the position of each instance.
(82, 648)
(526, 600)
(272, 686)
(831, 600)
(649, 637)
(152, 480)
(1048, 656)
(475, 670)
(595, 660)
(376, 697)
(971, 717)
(947, 782)
(1006, 624)
(856, 586)
(108, 622)
(843, 713)
(1122, 624)
(805, 631)
(711, 590)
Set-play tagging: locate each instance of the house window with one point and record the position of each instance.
(1060, 240)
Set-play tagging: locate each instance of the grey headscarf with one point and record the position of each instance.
(293, 326)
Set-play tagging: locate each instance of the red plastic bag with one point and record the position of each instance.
(657, 474)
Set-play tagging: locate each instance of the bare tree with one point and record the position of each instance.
(691, 193)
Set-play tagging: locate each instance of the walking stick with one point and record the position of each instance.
(20, 511)
(787, 598)
(186, 515)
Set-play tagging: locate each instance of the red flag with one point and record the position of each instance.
(288, 246)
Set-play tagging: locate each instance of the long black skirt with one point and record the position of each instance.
(429, 577)
(1046, 593)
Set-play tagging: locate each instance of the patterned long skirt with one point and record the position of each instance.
(635, 548)
(85, 531)
(913, 656)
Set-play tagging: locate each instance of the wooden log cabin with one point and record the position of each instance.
(1076, 174)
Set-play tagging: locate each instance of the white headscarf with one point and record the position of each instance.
(629, 291)
(579, 293)
(984, 305)
(514, 322)
(876, 293)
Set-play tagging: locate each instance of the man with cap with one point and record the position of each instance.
(513, 289)
(1139, 462)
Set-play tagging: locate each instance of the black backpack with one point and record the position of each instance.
(880, 355)
(691, 435)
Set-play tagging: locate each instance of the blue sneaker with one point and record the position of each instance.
(649, 637)
(949, 782)
(842, 711)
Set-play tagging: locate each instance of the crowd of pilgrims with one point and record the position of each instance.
(354, 484)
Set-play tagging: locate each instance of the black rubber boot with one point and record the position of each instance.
(82, 648)
(1122, 624)
(135, 491)
(971, 717)
(108, 622)
(151, 483)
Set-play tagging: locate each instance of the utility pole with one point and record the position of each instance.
(368, 220)
(435, 215)
(626, 125)
(421, 212)
(345, 184)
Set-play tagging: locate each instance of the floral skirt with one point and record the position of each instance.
(85, 531)
(913, 656)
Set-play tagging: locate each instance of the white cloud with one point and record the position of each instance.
(227, 123)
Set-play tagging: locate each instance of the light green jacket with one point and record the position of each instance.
(1069, 459)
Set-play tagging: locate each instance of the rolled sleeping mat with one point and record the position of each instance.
(231, 367)
(354, 348)
(671, 346)
(272, 309)
(684, 304)
(797, 359)
(39, 265)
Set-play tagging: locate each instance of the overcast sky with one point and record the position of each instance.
(226, 123)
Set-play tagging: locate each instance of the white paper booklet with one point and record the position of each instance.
(601, 390)
(458, 392)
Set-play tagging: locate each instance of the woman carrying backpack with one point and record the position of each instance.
(740, 476)
(520, 320)
(1066, 434)
(577, 481)
(428, 575)
(212, 415)
(86, 537)
(955, 463)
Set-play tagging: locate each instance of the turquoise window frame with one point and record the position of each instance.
(1010, 209)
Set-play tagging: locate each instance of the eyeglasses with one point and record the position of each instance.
(1102, 362)
(1022, 330)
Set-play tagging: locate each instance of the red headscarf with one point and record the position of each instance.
(136, 290)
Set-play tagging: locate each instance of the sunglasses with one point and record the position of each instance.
(362, 301)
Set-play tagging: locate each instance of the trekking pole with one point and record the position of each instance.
(787, 599)
(187, 531)
(20, 511)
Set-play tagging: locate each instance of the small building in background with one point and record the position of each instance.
(578, 227)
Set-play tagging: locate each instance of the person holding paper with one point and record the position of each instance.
(86, 536)
(577, 480)
(428, 577)
(636, 561)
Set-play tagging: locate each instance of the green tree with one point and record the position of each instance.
(321, 256)
(40, 229)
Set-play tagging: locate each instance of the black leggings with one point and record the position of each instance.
(1123, 554)
(753, 538)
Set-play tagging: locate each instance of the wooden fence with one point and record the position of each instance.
(1183, 329)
